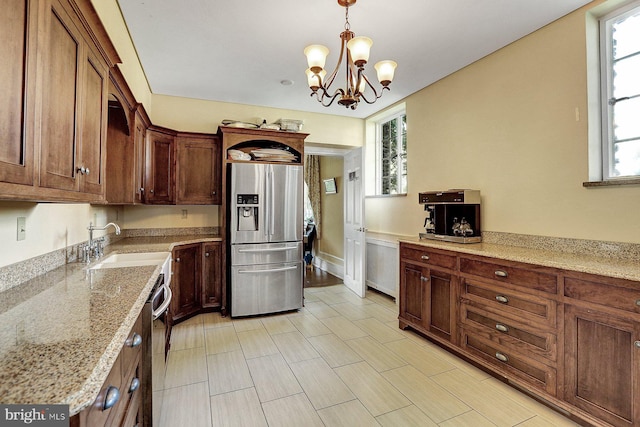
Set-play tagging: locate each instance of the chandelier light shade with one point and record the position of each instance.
(355, 51)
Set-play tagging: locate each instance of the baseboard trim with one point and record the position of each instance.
(328, 266)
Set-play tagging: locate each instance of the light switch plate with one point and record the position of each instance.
(22, 228)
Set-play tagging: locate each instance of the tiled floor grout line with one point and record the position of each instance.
(380, 318)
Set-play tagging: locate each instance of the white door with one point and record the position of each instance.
(354, 231)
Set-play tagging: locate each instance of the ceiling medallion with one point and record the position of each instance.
(355, 50)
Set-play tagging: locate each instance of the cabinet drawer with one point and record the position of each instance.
(529, 277)
(428, 256)
(510, 303)
(96, 415)
(524, 368)
(511, 334)
(132, 347)
(624, 298)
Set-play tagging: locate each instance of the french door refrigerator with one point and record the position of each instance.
(265, 227)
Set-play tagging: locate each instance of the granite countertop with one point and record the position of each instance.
(61, 332)
(621, 267)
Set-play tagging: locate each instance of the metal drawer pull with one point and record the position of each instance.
(502, 299)
(206, 254)
(135, 383)
(502, 328)
(638, 302)
(269, 270)
(501, 273)
(283, 248)
(502, 357)
(425, 257)
(112, 397)
(637, 344)
(134, 341)
(424, 278)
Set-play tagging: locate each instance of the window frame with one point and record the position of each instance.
(608, 142)
(379, 157)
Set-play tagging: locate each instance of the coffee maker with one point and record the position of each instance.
(452, 215)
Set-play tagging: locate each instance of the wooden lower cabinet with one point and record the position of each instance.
(602, 365)
(124, 380)
(186, 283)
(197, 279)
(428, 298)
(571, 339)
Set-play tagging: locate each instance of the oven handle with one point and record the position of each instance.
(165, 304)
(268, 270)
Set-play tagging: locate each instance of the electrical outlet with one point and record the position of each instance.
(22, 228)
(184, 214)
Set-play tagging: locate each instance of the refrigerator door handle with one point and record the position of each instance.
(285, 248)
(267, 205)
(272, 217)
(268, 270)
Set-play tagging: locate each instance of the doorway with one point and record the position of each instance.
(329, 251)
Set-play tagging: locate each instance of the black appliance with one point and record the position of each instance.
(452, 215)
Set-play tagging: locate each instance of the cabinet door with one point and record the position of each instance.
(186, 284)
(138, 168)
(602, 365)
(120, 157)
(441, 293)
(93, 103)
(18, 35)
(197, 170)
(61, 73)
(159, 167)
(412, 295)
(211, 274)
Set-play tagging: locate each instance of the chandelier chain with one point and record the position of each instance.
(347, 25)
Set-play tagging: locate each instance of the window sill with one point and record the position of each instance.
(612, 183)
(377, 196)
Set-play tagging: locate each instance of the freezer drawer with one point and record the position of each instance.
(266, 288)
(266, 253)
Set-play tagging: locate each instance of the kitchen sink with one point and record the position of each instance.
(119, 260)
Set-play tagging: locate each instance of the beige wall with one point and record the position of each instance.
(331, 246)
(507, 125)
(49, 227)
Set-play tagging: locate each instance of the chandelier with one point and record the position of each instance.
(356, 52)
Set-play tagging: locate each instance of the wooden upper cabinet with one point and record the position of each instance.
(74, 108)
(17, 32)
(120, 156)
(92, 153)
(197, 169)
(139, 137)
(159, 167)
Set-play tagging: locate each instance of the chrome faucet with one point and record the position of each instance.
(94, 247)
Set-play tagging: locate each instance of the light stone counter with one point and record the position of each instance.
(61, 332)
(613, 263)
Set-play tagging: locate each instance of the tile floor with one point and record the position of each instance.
(340, 361)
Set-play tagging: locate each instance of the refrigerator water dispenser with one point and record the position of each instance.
(247, 212)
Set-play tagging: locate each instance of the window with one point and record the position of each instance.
(620, 94)
(391, 155)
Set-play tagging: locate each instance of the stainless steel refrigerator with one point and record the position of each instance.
(265, 227)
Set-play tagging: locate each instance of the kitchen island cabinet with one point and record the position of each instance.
(539, 319)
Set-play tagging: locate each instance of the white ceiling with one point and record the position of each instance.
(240, 51)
